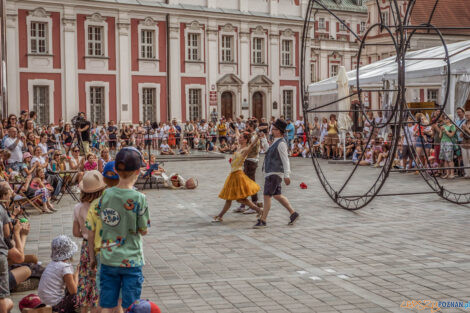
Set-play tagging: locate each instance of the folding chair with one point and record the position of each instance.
(22, 200)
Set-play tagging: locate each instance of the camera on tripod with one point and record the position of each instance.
(78, 120)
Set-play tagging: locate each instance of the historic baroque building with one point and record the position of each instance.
(129, 60)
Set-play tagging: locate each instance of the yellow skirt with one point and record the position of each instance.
(238, 186)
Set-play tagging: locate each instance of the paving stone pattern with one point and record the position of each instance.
(397, 249)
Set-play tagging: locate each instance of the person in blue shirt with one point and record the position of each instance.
(290, 132)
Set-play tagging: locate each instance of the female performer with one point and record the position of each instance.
(238, 186)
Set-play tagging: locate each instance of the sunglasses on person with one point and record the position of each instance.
(76, 150)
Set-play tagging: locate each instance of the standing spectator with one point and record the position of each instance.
(178, 132)
(448, 131)
(315, 127)
(406, 146)
(33, 116)
(189, 133)
(121, 264)
(332, 138)
(466, 145)
(214, 116)
(23, 116)
(290, 132)
(459, 121)
(112, 135)
(84, 129)
(15, 145)
(300, 127)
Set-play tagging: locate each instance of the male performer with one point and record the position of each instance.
(275, 167)
(250, 166)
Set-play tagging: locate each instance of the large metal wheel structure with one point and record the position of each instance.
(401, 31)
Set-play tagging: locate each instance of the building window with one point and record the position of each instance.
(149, 104)
(95, 41)
(195, 104)
(313, 72)
(287, 103)
(321, 23)
(39, 38)
(433, 95)
(342, 27)
(334, 70)
(97, 105)
(385, 18)
(286, 53)
(363, 27)
(258, 50)
(194, 47)
(147, 44)
(41, 104)
(227, 48)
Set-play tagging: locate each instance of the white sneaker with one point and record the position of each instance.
(250, 211)
(239, 210)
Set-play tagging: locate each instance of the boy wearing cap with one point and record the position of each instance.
(275, 167)
(125, 219)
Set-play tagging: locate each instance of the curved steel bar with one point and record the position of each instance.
(447, 60)
(359, 54)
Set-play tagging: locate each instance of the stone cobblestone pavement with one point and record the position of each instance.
(397, 249)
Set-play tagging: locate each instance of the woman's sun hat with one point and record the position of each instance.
(26, 155)
(92, 182)
(63, 248)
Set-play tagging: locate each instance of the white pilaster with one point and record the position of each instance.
(175, 70)
(12, 64)
(273, 7)
(213, 59)
(124, 102)
(243, 5)
(70, 104)
(212, 4)
(244, 62)
(274, 70)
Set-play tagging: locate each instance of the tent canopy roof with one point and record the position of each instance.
(416, 70)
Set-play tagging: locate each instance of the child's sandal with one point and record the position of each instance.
(217, 219)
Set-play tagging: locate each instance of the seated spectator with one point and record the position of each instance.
(58, 285)
(14, 145)
(165, 148)
(41, 187)
(202, 143)
(185, 148)
(224, 148)
(90, 163)
(382, 156)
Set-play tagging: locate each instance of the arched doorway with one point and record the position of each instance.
(257, 104)
(227, 105)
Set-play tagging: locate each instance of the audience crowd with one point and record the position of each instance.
(39, 162)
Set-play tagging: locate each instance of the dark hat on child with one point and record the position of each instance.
(109, 171)
(128, 159)
(281, 125)
(63, 248)
(143, 306)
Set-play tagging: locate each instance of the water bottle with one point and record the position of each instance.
(54, 167)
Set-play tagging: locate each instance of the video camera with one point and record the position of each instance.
(77, 120)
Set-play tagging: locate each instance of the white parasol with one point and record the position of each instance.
(344, 120)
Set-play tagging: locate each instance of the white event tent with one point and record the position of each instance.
(420, 73)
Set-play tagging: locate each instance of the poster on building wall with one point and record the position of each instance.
(213, 98)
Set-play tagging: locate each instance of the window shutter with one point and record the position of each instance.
(316, 26)
(337, 26)
(327, 26)
(358, 29)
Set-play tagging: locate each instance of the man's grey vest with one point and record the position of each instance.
(272, 161)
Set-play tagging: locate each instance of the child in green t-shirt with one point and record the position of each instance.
(125, 218)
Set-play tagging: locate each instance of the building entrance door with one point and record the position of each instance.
(257, 105)
(227, 105)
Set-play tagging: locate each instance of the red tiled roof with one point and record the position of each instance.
(448, 13)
